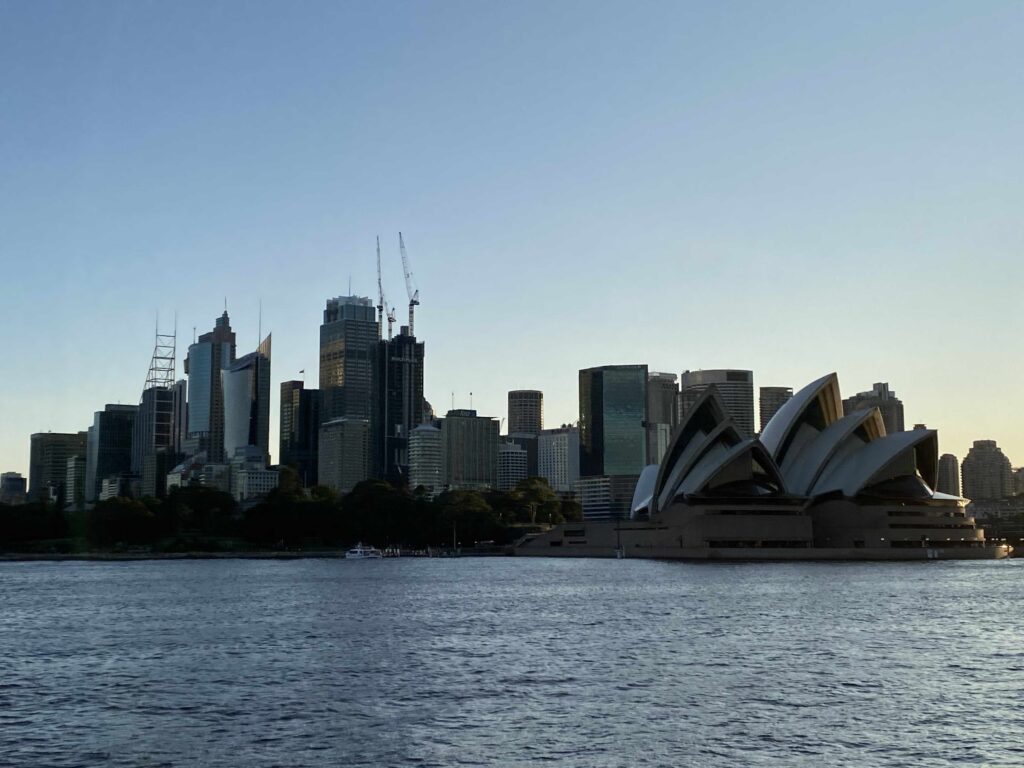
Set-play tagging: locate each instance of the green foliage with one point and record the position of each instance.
(30, 522)
(121, 521)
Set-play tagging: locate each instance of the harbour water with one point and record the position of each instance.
(496, 661)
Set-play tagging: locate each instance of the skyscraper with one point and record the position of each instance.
(949, 475)
(613, 438)
(986, 472)
(344, 453)
(246, 387)
(558, 457)
(525, 411)
(398, 403)
(736, 388)
(48, 458)
(300, 424)
(771, 399)
(469, 449)
(348, 337)
(12, 488)
(511, 465)
(662, 392)
(213, 352)
(108, 451)
(885, 400)
(613, 418)
(426, 463)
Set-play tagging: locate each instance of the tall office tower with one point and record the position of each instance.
(736, 388)
(397, 403)
(511, 466)
(108, 449)
(885, 399)
(155, 427)
(772, 398)
(74, 482)
(613, 417)
(206, 359)
(525, 411)
(343, 454)
(48, 458)
(986, 472)
(246, 387)
(558, 457)
(613, 436)
(949, 475)
(179, 425)
(662, 391)
(300, 425)
(469, 450)
(12, 489)
(426, 466)
(347, 339)
(528, 442)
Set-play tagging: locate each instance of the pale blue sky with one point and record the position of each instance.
(788, 187)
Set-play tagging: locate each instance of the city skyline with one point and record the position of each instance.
(690, 197)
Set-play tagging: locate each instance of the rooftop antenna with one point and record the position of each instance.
(453, 401)
(350, 284)
(259, 323)
(471, 401)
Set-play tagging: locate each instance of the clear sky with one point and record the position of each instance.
(792, 188)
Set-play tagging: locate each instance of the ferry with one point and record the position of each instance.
(361, 552)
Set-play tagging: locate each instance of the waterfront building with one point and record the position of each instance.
(108, 450)
(397, 404)
(613, 417)
(469, 449)
(48, 458)
(245, 384)
(883, 398)
(512, 465)
(817, 484)
(74, 483)
(986, 472)
(300, 430)
(13, 489)
(606, 497)
(525, 411)
(662, 393)
(426, 463)
(735, 387)
(558, 457)
(207, 357)
(613, 435)
(344, 453)
(949, 475)
(771, 399)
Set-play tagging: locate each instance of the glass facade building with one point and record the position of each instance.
(613, 419)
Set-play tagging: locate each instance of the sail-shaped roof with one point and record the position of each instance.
(808, 412)
(904, 454)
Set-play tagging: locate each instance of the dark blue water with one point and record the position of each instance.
(510, 661)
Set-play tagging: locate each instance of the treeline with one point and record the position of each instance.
(203, 519)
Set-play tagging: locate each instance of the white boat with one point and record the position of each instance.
(360, 552)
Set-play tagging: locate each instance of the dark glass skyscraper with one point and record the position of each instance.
(300, 422)
(613, 417)
(108, 452)
(398, 403)
(348, 338)
(212, 353)
(48, 458)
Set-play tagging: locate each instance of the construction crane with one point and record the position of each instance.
(381, 304)
(380, 294)
(410, 285)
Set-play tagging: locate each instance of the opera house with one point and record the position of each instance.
(817, 484)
